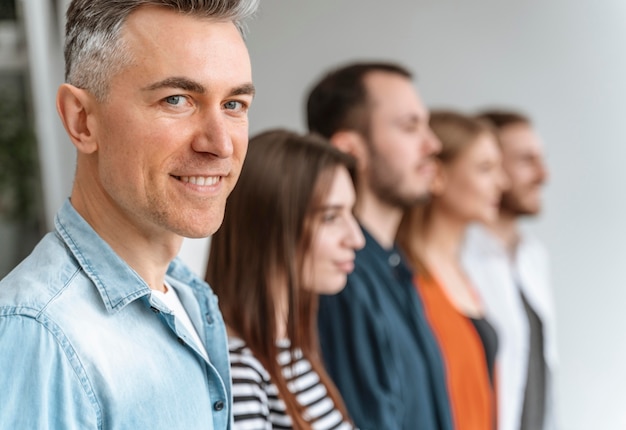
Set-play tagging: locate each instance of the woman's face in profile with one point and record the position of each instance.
(473, 181)
(336, 237)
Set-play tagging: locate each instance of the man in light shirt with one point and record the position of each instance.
(510, 270)
(101, 326)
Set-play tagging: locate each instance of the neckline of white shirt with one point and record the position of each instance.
(171, 300)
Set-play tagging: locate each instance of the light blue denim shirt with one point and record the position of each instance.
(83, 345)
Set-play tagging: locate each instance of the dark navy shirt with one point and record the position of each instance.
(379, 349)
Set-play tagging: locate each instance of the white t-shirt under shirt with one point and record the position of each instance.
(173, 303)
(257, 404)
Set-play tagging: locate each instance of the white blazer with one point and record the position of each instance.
(498, 280)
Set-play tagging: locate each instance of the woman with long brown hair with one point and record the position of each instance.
(467, 187)
(288, 235)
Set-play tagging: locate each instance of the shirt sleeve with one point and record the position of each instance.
(358, 358)
(40, 388)
(251, 408)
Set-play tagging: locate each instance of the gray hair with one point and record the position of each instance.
(94, 50)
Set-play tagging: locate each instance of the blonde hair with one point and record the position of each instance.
(457, 132)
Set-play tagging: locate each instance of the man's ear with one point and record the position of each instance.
(351, 142)
(75, 107)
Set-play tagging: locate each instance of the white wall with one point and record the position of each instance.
(562, 62)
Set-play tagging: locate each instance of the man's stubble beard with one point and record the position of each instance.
(385, 182)
(511, 204)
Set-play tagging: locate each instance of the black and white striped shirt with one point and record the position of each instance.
(257, 405)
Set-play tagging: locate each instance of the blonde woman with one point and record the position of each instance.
(467, 187)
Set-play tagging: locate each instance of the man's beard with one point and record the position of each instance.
(512, 204)
(386, 183)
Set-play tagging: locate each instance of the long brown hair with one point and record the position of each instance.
(457, 132)
(259, 251)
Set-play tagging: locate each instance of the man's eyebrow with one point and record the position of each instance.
(177, 82)
(244, 90)
(195, 87)
(412, 119)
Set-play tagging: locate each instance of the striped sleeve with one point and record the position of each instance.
(257, 403)
(251, 409)
(305, 383)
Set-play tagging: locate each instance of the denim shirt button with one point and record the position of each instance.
(155, 310)
(209, 319)
(181, 341)
(218, 406)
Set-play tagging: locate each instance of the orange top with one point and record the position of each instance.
(471, 395)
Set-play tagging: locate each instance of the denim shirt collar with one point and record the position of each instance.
(117, 283)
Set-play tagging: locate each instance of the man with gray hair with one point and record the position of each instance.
(101, 326)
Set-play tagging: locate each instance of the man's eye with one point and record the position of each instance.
(233, 105)
(485, 167)
(174, 100)
(409, 127)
